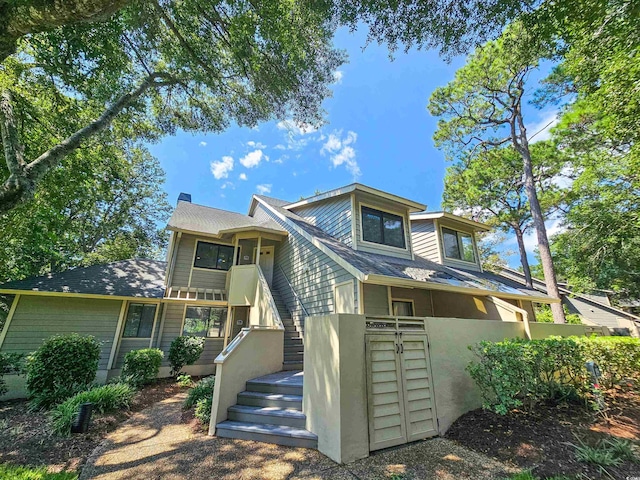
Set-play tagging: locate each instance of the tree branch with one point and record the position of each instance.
(10, 138)
(21, 185)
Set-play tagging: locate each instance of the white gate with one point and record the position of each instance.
(399, 389)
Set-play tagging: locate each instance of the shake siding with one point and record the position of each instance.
(311, 272)
(38, 317)
(376, 299)
(333, 216)
(173, 329)
(425, 240)
(200, 278)
(396, 209)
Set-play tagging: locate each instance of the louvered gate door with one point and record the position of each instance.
(400, 389)
(419, 401)
(387, 426)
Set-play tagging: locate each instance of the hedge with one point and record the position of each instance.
(523, 373)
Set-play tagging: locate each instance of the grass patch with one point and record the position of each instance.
(105, 399)
(527, 475)
(12, 472)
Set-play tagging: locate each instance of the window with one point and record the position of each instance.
(139, 323)
(205, 321)
(458, 245)
(402, 308)
(382, 227)
(213, 256)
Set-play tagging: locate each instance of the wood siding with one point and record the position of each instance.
(421, 299)
(311, 273)
(591, 312)
(184, 275)
(425, 240)
(38, 317)
(376, 299)
(332, 216)
(396, 209)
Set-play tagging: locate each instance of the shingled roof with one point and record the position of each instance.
(127, 278)
(419, 269)
(191, 217)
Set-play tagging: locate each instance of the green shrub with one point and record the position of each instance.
(142, 366)
(617, 357)
(203, 410)
(60, 368)
(105, 399)
(544, 315)
(184, 380)
(520, 373)
(202, 390)
(184, 351)
(10, 363)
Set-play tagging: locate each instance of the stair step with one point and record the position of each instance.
(265, 387)
(293, 357)
(267, 415)
(294, 349)
(280, 435)
(292, 365)
(263, 399)
(291, 342)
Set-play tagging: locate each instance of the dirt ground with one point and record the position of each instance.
(545, 441)
(25, 437)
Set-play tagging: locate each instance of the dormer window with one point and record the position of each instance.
(382, 227)
(458, 245)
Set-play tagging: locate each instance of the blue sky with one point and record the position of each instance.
(377, 132)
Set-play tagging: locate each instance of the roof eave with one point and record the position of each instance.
(481, 227)
(49, 293)
(412, 283)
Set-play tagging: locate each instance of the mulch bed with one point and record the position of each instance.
(25, 438)
(544, 441)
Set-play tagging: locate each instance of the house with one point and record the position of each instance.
(594, 307)
(307, 308)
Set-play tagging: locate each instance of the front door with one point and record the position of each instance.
(266, 262)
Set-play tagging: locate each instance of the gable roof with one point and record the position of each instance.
(413, 206)
(128, 278)
(199, 219)
(481, 227)
(384, 269)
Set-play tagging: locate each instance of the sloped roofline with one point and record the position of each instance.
(389, 280)
(481, 227)
(413, 206)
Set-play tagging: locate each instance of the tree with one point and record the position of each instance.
(491, 186)
(482, 109)
(99, 204)
(168, 65)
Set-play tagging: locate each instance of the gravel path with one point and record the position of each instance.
(154, 444)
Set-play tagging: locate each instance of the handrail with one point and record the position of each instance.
(224, 354)
(272, 303)
(293, 291)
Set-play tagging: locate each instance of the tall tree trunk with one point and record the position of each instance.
(522, 145)
(524, 261)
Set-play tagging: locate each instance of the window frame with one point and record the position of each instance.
(382, 212)
(459, 234)
(226, 317)
(126, 319)
(195, 256)
(404, 300)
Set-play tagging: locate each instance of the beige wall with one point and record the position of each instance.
(458, 305)
(334, 391)
(256, 353)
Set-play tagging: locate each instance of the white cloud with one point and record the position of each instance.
(341, 152)
(221, 168)
(296, 128)
(243, 176)
(264, 188)
(554, 226)
(203, 144)
(279, 160)
(541, 130)
(230, 185)
(258, 145)
(280, 147)
(337, 76)
(253, 159)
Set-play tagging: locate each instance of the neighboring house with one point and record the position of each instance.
(593, 307)
(253, 284)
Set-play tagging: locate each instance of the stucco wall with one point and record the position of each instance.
(457, 305)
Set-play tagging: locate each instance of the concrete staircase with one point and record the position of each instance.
(293, 346)
(270, 411)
